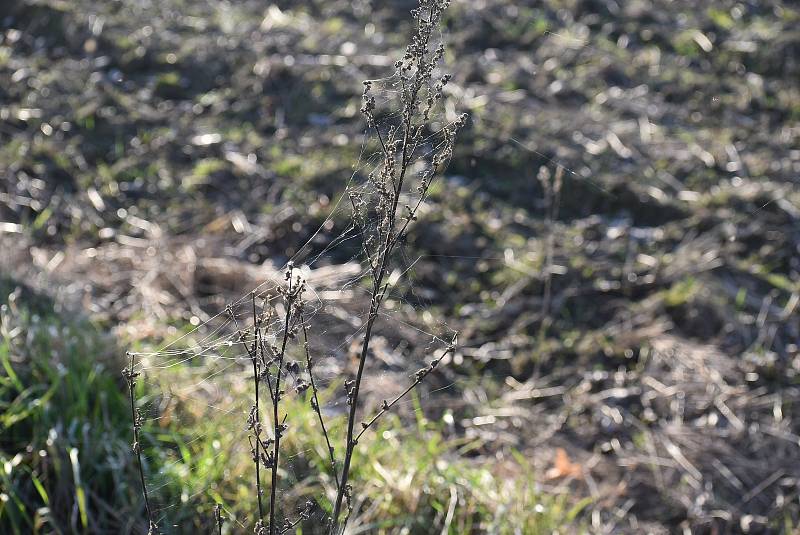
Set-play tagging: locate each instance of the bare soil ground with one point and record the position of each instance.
(160, 158)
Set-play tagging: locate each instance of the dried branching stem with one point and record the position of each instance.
(292, 300)
(258, 350)
(130, 375)
(254, 419)
(420, 92)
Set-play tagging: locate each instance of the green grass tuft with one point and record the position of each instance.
(63, 425)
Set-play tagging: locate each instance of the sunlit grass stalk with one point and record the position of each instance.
(551, 184)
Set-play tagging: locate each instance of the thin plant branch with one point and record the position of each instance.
(315, 401)
(130, 375)
(254, 419)
(291, 298)
(418, 96)
(419, 376)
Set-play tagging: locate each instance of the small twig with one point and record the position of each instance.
(419, 376)
(360, 229)
(130, 375)
(315, 400)
(254, 419)
(257, 408)
(758, 489)
(305, 513)
(291, 295)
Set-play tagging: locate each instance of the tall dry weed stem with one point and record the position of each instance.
(377, 215)
(130, 375)
(414, 145)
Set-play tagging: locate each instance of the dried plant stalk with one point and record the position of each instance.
(254, 417)
(218, 518)
(266, 452)
(315, 400)
(382, 213)
(291, 294)
(130, 375)
(378, 216)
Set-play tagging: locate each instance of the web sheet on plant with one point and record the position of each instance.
(196, 392)
(203, 379)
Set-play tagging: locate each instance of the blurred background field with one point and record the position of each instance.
(616, 240)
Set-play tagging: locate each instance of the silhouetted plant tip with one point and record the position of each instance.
(130, 375)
